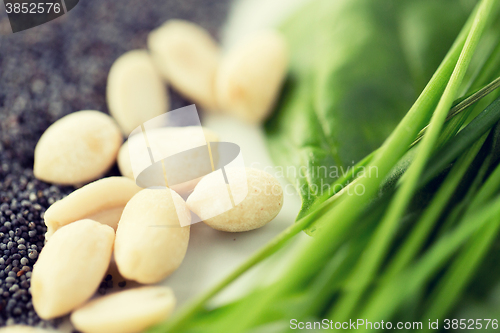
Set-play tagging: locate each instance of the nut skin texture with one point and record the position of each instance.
(135, 91)
(187, 56)
(250, 76)
(127, 311)
(77, 148)
(182, 136)
(261, 205)
(150, 243)
(102, 200)
(71, 267)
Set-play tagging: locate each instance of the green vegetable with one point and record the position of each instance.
(357, 66)
(382, 239)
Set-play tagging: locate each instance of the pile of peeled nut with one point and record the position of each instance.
(108, 219)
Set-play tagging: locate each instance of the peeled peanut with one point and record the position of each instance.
(261, 205)
(250, 76)
(150, 242)
(102, 201)
(77, 148)
(127, 311)
(187, 56)
(169, 140)
(135, 92)
(71, 267)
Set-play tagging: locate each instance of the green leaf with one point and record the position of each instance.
(356, 68)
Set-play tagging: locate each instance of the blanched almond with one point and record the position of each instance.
(250, 76)
(77, 148)
(102, 201)
(150, 242)
(135, 92)
(187, 56)
(71, 267)
(261, 205)
(127, 311)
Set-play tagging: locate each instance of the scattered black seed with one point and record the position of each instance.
(107, 283)
(46, 73)
(122, 284)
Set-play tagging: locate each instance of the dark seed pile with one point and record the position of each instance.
(23, 200)
(46, 73)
